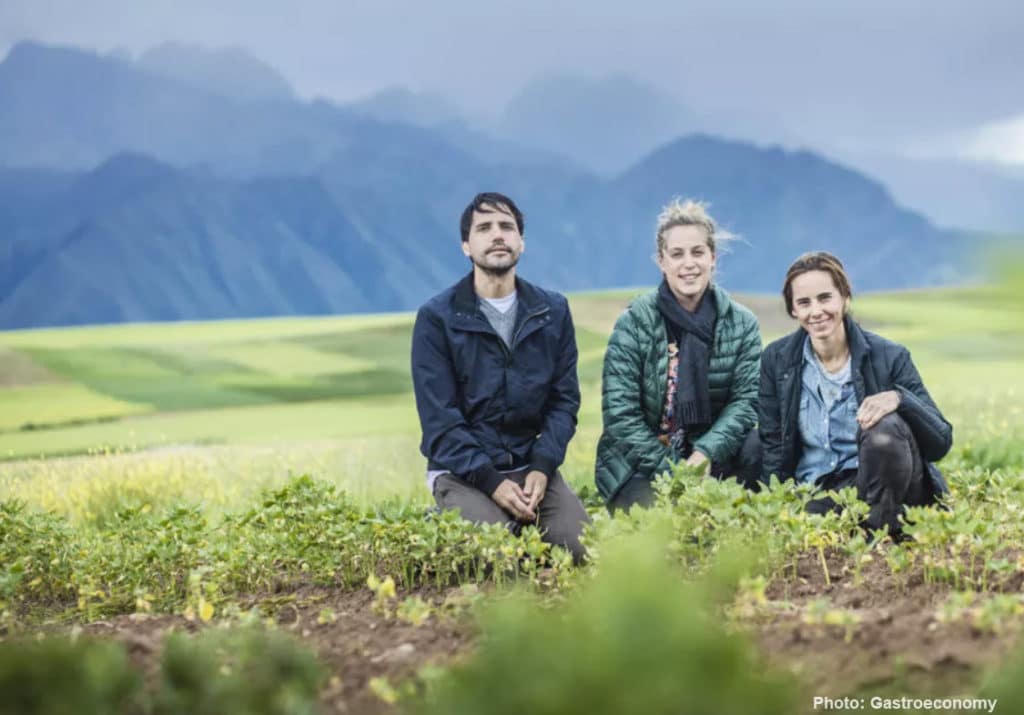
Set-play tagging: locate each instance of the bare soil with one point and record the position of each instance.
(357, 646)
(898, 647)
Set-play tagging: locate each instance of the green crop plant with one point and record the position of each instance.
(383, 594)
(245, 670)
(637, 638)
(173, 559)
(58, 675)
(414, 610)
(820, 612)
(858, 549)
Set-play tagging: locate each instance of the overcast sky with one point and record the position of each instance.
(917, 76)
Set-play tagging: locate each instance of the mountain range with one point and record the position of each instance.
(156, 189)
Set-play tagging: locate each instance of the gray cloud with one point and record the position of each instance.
(832, 74)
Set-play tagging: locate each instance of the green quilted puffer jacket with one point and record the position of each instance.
(635, 384)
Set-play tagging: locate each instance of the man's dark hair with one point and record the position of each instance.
(488, 202)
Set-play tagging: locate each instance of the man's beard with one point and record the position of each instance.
(497, 271)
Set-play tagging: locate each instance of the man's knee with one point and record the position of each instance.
(563, 518)
(452, 494)
(568, 535)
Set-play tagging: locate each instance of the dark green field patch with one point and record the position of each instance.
(364, 383)
(160, 379)
(178, 392)
(85, 364)
(388, 347)
(187, 362)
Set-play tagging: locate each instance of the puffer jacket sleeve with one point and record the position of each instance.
(934, 434)
(447, 440)
(562, 405)
(625, 428)
(769, 418)
(739, 415)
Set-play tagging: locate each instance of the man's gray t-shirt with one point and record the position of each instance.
(501, 314)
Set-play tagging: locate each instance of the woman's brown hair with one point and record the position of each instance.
(816, 261)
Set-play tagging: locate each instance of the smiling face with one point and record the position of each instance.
(687, 262)
(818, 305)
(493, 243)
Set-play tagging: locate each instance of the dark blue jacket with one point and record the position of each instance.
(485, 407)
(876, 365)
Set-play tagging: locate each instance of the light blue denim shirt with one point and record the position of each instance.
(828, 420)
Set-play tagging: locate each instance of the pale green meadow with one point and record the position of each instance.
(214, 412)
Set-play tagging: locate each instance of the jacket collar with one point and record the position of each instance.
(529, 297)
(859, 346)
(723, 303)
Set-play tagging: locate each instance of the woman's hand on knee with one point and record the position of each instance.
(875, 407)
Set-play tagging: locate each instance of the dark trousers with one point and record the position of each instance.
(560, 514)
(745, 465)
(890, 475)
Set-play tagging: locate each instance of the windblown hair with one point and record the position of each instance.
(488, 202)
(690, 213)
(816, 261)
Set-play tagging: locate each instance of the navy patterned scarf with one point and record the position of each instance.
(693, 333)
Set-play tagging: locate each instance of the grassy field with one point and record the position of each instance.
(149, 484)
(223, 409)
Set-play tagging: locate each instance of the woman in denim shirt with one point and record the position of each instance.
(842, 407)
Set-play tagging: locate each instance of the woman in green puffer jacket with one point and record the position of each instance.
(680, 373)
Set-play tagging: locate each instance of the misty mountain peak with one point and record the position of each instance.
(602, 123)
(227, 71)
(132, 166)
(31, 56)
(399, 104)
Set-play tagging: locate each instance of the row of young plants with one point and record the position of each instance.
(971, 541)
(307, 532)
(166, 560)
(141, 559)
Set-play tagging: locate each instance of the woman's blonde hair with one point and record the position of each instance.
(689, 213)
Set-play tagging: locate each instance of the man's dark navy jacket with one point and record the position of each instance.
(483, 406)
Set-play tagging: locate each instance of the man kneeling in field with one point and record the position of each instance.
(494, 370)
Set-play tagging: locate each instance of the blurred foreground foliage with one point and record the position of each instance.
(244, 671)
(637, 638)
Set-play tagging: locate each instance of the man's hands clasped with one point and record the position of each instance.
(522, 502)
